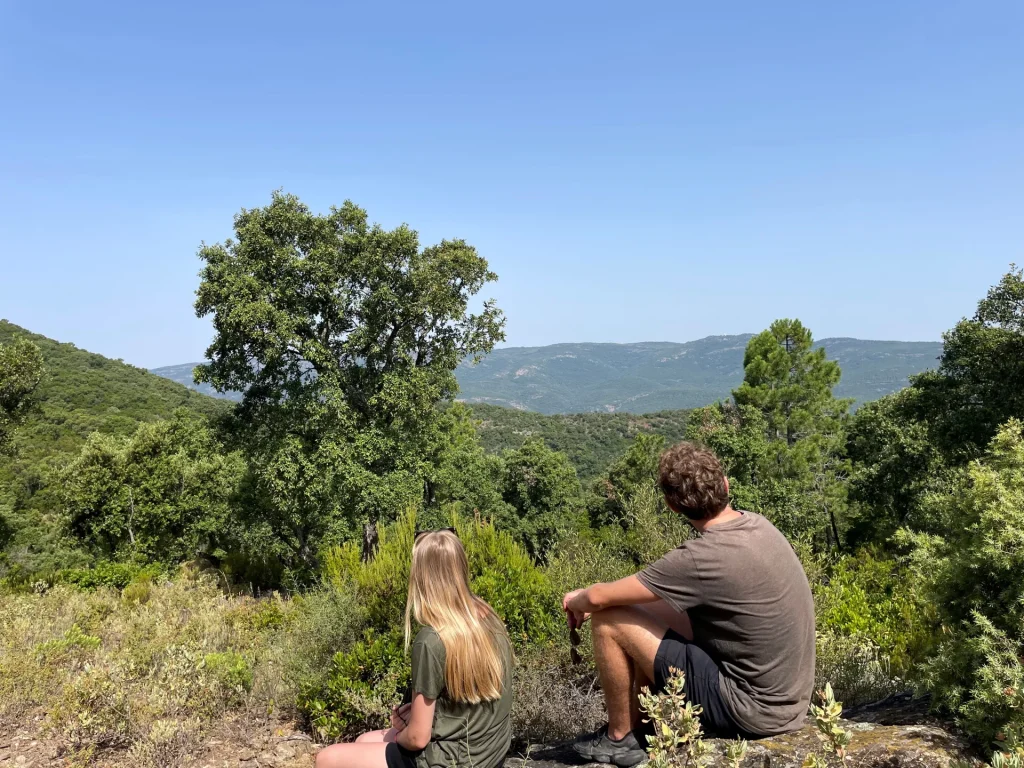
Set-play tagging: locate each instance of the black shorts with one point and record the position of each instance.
(399, 757)
(702, 685)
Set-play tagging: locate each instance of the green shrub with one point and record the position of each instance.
(500, 570)
(73, 642)
(106, 573)
(974, 575)
(361, 687)
(382, 583)
(879, 601)
(502, 573)
(321, 623)
(230, 671)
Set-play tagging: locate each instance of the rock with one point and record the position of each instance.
(896, 733)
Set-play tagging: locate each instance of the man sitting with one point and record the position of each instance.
(731, 608)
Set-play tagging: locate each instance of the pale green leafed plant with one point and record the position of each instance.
(834, 738)
(678, 736)
(735, 751)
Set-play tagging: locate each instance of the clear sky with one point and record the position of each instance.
(633, 171)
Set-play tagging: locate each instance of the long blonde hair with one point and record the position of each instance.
(440, 598)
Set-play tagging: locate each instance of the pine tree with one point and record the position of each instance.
(795, 463)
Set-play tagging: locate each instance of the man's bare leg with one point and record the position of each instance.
(640, 681)
(626, 640)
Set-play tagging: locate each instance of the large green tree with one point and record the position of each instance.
(894, 464)
(781, 438)
(904, 445)
(344, 337)
(21, 369)
(980, 380)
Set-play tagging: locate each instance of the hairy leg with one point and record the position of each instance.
(640, 680)
(359, 754)
(626, 640)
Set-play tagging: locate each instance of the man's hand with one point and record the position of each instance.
(400, 717)
(574, 603)
(581, 603)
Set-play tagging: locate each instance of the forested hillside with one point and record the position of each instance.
(592, 441)
(79, 393)
(655, 376)
(650, 376)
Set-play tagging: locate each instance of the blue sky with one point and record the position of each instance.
(632, 171)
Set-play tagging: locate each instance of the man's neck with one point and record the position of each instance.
(724, 516)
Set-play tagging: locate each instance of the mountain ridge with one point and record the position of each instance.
(649, 376)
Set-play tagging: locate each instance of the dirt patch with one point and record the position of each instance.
(234, 743)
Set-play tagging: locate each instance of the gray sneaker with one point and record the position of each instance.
(598, 747)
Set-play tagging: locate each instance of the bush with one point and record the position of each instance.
(858, 669)
(360, 688)
(104, 573)
(500, 571)
(974, 575)
(553, 699)
(319, 624)
(879, 602)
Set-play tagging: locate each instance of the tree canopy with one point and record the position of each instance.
(344, 337)
(781, 437)
(21, 369)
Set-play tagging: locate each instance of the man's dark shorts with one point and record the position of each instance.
(702, 684)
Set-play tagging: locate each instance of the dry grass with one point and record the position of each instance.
(553, 699)
(147, 670)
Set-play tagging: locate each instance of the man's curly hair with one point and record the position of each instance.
(692, 480)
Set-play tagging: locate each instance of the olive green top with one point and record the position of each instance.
(475, 735)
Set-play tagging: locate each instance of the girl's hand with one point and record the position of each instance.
(400, 717)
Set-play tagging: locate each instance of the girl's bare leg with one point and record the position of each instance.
(371, 737)
(361, 754)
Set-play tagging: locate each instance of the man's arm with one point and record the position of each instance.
(628, 591)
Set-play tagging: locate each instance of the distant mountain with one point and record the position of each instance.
(183, 375)
(653, 376)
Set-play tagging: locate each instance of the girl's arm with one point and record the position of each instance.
(416, 735)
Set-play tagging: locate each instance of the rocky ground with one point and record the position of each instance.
(895, 733)
(233, 744)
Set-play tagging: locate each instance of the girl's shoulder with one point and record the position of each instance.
(428, 638)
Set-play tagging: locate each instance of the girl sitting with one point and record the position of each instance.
(461, 674)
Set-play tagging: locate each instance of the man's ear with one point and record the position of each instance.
(726, 484)
(670, 505)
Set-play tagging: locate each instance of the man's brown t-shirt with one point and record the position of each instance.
(751, 609)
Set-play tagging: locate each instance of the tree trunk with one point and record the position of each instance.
(370, 540)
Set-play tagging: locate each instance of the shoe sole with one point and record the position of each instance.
(621, 759)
